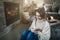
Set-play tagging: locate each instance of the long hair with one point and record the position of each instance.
(41, 11)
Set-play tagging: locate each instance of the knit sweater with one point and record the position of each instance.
(42, 25)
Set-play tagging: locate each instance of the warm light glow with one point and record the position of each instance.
(38, 2)
(51, 17)
(27, 2)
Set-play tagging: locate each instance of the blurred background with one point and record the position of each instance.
(17, 15)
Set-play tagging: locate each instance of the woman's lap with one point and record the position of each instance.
(28, 35)
(24, 34)
(32, 36)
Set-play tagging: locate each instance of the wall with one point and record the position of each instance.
(14, 33)
(51, 1)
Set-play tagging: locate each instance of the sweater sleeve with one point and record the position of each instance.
(45, 34)
(32, 25)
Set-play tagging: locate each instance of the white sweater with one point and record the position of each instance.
(44, 26)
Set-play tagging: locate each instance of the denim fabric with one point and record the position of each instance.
(28, 35)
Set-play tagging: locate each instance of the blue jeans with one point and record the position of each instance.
(28, 35)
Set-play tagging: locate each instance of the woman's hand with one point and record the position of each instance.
(34, 31)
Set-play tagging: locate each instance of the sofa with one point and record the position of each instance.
(55, 32)
(54, 10)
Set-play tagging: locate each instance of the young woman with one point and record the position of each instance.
(39, 29)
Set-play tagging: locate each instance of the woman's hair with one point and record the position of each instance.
(41, 11)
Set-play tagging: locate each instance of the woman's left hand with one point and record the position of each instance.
(36, 32)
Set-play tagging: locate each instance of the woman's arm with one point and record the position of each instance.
(32, 25)
(45, 34)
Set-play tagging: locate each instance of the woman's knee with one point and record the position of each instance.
(30, 36)
(25, 32)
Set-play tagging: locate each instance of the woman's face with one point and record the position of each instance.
(38, 16)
